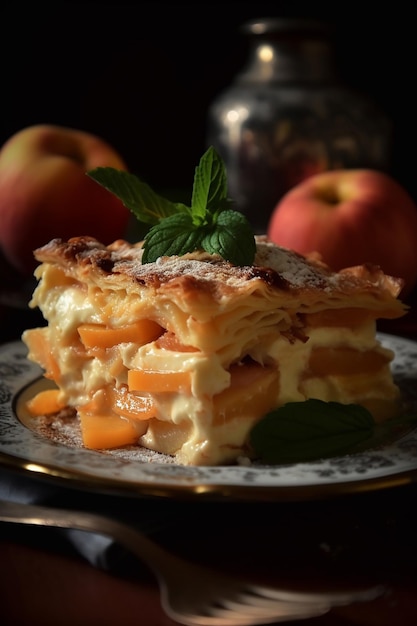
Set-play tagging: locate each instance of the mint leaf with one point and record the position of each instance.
(136, 195)
(210, 187)
(310, 430)
(174, 235)
(209, 224)
(232, 239)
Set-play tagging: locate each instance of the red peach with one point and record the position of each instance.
(46, 193)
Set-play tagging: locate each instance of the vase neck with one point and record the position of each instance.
(288, 51)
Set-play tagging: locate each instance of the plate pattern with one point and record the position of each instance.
(138, 471)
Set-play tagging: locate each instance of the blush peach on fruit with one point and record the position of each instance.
(46, 193)
(351, 217)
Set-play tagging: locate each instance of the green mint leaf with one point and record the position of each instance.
(232, 238)
(209, 224)
(210, 187)
(310, 430)
(136, 195)
(175, 235)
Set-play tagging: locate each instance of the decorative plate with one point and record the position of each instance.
(138, 472)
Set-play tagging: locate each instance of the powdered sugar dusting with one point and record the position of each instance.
(293, 267)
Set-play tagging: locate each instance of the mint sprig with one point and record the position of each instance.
(307, 431)
(209, 224)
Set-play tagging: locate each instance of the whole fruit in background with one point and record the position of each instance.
(45, 192)
(351, 217)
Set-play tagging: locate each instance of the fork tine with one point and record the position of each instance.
(275, 609)
(336, 598)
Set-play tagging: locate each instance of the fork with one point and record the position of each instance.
(192, 594)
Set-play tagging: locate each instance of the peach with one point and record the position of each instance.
(45, 192)
(351, 217)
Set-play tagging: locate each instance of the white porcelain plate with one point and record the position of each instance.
(138, 472)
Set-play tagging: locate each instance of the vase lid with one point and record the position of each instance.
(286, 26)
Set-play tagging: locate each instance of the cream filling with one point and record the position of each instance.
(196, 440)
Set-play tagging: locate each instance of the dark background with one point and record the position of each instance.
(143, 76)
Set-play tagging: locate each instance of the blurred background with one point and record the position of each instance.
(143, 76)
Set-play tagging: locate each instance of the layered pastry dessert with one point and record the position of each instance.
(183, 355)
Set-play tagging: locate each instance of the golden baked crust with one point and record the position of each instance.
(277, 273)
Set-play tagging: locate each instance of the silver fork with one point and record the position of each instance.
(192, 594)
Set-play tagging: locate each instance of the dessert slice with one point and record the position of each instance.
(183, 355)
